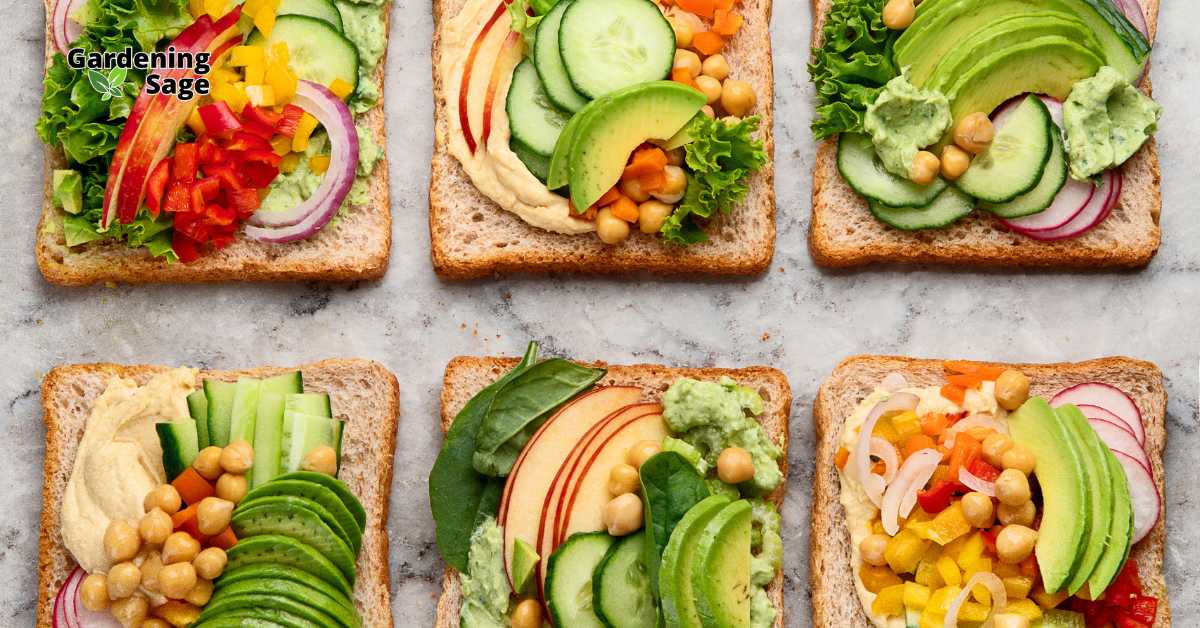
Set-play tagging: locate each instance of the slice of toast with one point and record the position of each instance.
(466, 376)
(364, 394)
(355, 246)
(473, 237)
(834, 598)
(844, 233)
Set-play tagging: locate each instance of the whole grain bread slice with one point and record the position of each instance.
(844, 233)
(834, 598)
(473, 237)
(356, 246)
(363, 393)
(466, 376)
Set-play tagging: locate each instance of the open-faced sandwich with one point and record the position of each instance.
(214, 140)
(175, 497)
(956, 494)
(623, 496)
(600, 136)
(986, 132)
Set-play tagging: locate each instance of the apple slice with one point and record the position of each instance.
(539, 462)
(465, 86)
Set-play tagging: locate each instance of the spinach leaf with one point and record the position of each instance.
(671, 485)
(523, 405)
(457, 494)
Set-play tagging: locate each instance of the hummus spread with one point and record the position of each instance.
(119, 460)
(494, 169)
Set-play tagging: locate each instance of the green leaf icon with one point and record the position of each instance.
(116, 78)
(100, 83)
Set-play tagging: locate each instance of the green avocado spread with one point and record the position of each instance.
(903, 120)
(712, 416)
(765, 561)
(485, 589)
(1106, 120)
(365, 25)
(290, 189)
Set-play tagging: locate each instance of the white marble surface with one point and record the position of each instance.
(797, 318)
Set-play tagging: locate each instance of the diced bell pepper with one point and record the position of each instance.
(904, 551)
(907, 425)
(916, 595)
(341, 89)
(889, 601)
(304, 130)
(1025, 608)
(948, 525)
(876, 579)
(948, 570)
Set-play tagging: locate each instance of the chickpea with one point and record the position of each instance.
(527, 614)
(925, 167)
(609, 228)
(1019, 458)
(93, 592)
(623, 479)
(180, 547)
(675, 157)
(155, 622)
(994, 447)
(237, 457)
(623, 515)
(1012, 487)
(1018, 515)
(710, 87)
(676, 181)
(734, 465)
(155, 527)
(683, 33)
(213, 514)
(641, 452)
(176, 581)
(1010, 620)
(1012, 389)
(123, 580)
(872, 549)
(737, 97)
(165, 498)
(652, 215)
(150, 569)
(131, 611)
(708, 111)
(201, 593)
(121, 541)
(899, 14)
(321, 460)
(1015, 543)
(232, 487)
(955, 162)
(978, 509)
(210, 563)
(687, 60)
(633, 189)
(974, 133)
(208, 463)
(715, 66)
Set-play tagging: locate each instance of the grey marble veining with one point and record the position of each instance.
(796, 317)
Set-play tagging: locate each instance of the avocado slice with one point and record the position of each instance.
(287, 517)
(721, 569)
(675, 573)
(282, 572)
(338, 487)
(1120, 533)
(525, 558)
(293, 591)
(1101, 497)
(1060, 471)
(325, 498)
(277, 549)
(611, 128)
(350, 537)
(941, 25)
(217, 607)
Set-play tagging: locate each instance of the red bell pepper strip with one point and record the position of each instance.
(244, 201)
(218, 118)
(220, 215)
(179, 199)
(157, 186)
(229, 178)
(937, 498)
(210, 152)
(184, 168)
(982, 470)
(260, 120)
(289, 121)
(244, 141)
(209, 188)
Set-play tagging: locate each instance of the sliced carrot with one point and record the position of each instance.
(917, 443)
(653, 182)
(184, 515)
(224, 540)
(982, 371)
(683, 75)
(645, 161)
(934, 424)
(708, 43)
(192, 487)
(842, 456)
(966, 448)
(609, 197)
(625, 209)
(727, 22)
(879, 468)
(723, 5)
(954, 393)
(703, 8)
(965, 380)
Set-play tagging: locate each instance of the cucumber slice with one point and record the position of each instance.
(179, 446)
(198, 408)
(951, 205)
(1042, 195)
(569, 579)
(318, 52)
(539, 165)
(268, 439)
(532, 118)
(220, 410)
(548, 61)
(861, 168)
(309, 403)
(303, 433)
(621, 591)
(245, 409)
(610, 44)
(323, 10)
(1014, 162)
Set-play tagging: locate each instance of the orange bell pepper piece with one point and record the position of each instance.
(645, 161)
(934, 424)
(842, 456)
(982, 371)
(917, 443)
(625, 209)
(183, 516)
(723, 5)
(708, 43)
(966, 449)
(654, 181)
(192, 486)
(727, 22)
(683, 75)
(609, 197)
(954, 393)
(703, 8)
(965, 380)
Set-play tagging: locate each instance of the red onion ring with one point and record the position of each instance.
(62, 27)
(1134, 13)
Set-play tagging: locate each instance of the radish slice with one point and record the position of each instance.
(1133, 11)
(1096, 412)
(1108, 397)
(69, 611)
(975, 420)
(1143, 495)
(1098, 208)
(901, 495)
(995, 587)
(976, 483)
(1119, 439)
(1072, 199)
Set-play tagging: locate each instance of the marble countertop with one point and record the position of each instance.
(796, 317)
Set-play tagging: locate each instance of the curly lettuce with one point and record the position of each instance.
(851, 66)
(720, 159)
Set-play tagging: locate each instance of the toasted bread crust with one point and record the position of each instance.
(834, 598)
(466, 375)
(367, 461)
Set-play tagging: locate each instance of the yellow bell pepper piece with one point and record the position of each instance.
(948, 524)
(289, 163)
(876, 579)
(281, 79)
(319, 164)
(884, 430)
(281, 144)
(341, 88)
(971, 550)
(980, 592)
(232, 94)
(256, 73)
(927, 573)
(1017, 587)
(904, 551)
(250, 7)
(196, 8)
(264, 20)
(948, 571)
(889, 601)
(224, 75)
(1007, 570)
(907, 425)
(260, 95)
(930, 619)
(195, 123)
(241, 56)
(1048, 600)
(915, 595)
(215, 8)
(303, 131)
(1025, 608)
(939, 600)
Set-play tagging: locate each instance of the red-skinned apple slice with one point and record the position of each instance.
(502, 66)
(525, 491)
(464, 119)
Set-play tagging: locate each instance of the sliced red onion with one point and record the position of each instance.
(975, 420)
(861, 467)
(308, 217)
(976, 483)
(64, 29)
(901, 495)
(1098, 208)
(995, 587)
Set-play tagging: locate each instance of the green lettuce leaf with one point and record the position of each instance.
(851, 66)
(524, 23)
